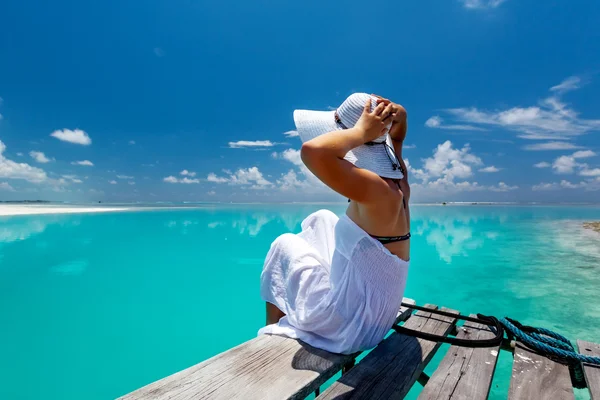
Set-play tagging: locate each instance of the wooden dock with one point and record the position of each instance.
(274, 368)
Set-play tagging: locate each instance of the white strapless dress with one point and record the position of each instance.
(339, 288)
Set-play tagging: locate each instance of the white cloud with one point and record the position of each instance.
(551, 146)
(571, 83)
(185, 172)
(437, 122)
(292, 156)
(252, 144)
(301, 178)
(290, 180)
(250, 176)
(13, 170)
(71, 178)
(564, 165)
(113, 182)
(186, 180)
(158, 52)
(448, 162)
(247, 176)
(211, 193)
(434, 122)
(542, 164)
(6, 186)
(214, 178)
(544, 186)
(85, 163)
(291, 133)
(124, 177)
(569, 185)
(551, 119)
(590, 172)
(20, 154)
(132, 142)
(482, 4)
(502, 187)
(39, 157)
(491, 168)
(131, 183)
(76, 136)
(445, 173)
(568, 164)
(584, 154)
(409, 146)
(590, 185)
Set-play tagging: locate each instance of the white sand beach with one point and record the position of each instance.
(36, 209)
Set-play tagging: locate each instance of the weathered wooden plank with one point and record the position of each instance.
(592, 372)
(267, 367)
(405, 312)
(537, 377)
(391, 368)
(465, 373)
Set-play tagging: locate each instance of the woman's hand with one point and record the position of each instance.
(398, 111)
(324, 157)
(399, 125)
(376, 123)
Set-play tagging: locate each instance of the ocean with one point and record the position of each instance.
(93, 306)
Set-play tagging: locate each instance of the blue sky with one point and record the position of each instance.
(193, 100)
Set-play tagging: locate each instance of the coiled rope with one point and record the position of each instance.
(543, 341)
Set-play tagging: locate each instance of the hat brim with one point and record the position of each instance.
(311, 124)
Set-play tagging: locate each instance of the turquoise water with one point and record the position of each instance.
(93, 306)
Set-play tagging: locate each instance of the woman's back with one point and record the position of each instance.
(388, 218)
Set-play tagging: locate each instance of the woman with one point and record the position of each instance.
(339, 283)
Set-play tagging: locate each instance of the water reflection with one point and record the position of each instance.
(21, 228)
(453, 240)
(563, 263)
(455, 232)
(451, 231)
(253, 223)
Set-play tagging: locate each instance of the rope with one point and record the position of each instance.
(553, 346)
(543, 341)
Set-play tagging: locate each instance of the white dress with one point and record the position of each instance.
(339, 288)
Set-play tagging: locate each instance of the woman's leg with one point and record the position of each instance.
(318, 229)
(274, 314)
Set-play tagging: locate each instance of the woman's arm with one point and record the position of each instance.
(324, 157)
(398, 134)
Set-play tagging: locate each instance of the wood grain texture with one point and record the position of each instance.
(267, 367)
(592, 372)
(391, 368)
(465, 373)
(537, 377)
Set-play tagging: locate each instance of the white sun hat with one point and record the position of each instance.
(377, 156)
